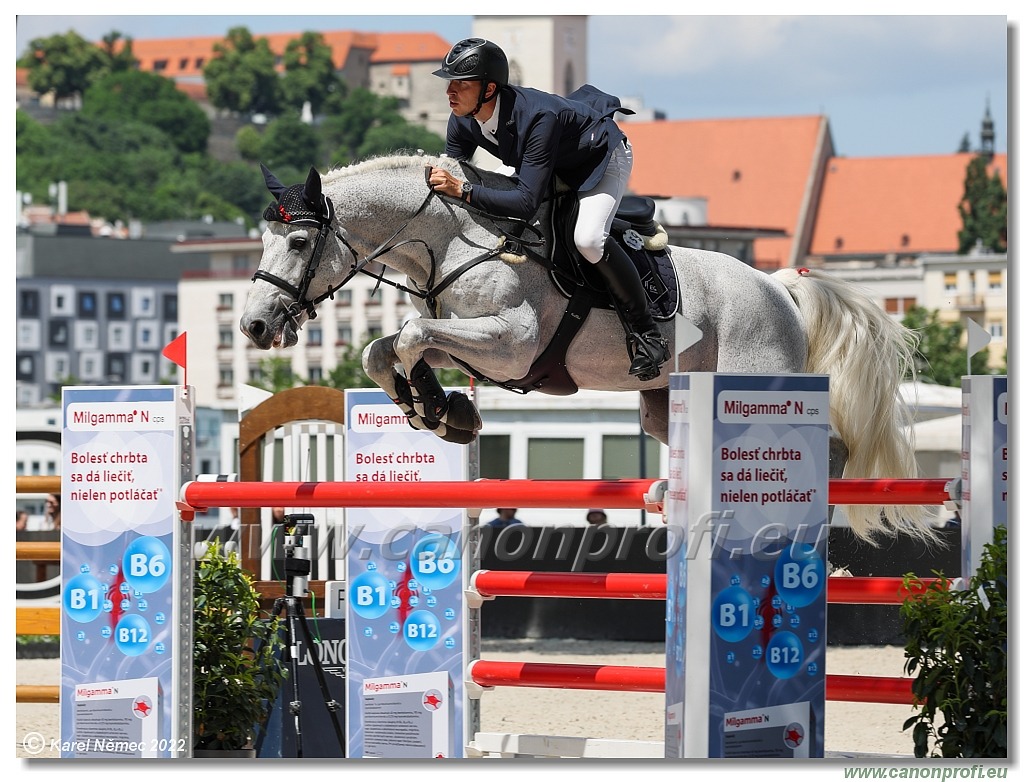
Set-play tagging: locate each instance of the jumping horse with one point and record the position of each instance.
(489, 306)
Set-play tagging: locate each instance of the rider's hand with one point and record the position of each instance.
(443, 182)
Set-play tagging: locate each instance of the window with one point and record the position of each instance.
(494, 455)
(170, 306)
(115, 306)
(28, 303)
(183, 64)
(995, 281)
(314, 336)
(118, 337)
(899, 306)
(227, 376)
(26, 367)
(554, 458)
(225, 301)
(146, 334)
(620, 457)
(159, 66)
(62, 300)
(143, 303)
(343, 298)
(949, 282)
(995, 329)
(87, 304)
(241, 262)
(117, 368)
(86, 335)
(344, 335)
(316, 374)
(29, 335)
(225, 337)
(59, 334)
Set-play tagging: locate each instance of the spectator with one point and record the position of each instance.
(53, 511)
(22, 520)
(506, 518)
(597, 516)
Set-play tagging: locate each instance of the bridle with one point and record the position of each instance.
(322, 219)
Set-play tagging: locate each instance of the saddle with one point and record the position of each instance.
(644, 241)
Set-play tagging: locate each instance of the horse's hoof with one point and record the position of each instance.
(458, 436)
(462, 413)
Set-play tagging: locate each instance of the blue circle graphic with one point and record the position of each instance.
(369, 595)
(784, 655)
(799, 575)
(146, 564)
(421, 630)
(132, 635)
(435, 561)
(732, 614)
(83, 598)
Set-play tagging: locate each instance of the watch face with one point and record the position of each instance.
(466, 187)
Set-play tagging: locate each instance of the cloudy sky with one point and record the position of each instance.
(890, 85)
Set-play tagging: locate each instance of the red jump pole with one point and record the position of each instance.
(853, 590)
(622, 678)
(629, 494)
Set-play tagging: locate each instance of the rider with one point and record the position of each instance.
(542, 135)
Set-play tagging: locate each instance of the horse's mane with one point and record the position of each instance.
(392, 162)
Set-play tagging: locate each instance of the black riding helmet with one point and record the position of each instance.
(475, 59)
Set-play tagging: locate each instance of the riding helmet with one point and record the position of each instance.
(474, 59)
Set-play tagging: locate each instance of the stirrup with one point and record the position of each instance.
(647, 352)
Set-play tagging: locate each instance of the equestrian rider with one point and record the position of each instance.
(542, 135)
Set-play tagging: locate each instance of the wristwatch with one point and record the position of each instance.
(467, 188)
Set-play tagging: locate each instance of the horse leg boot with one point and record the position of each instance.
(647, 348)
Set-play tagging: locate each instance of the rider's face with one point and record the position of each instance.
(462, 96)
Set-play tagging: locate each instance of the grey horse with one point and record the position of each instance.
(489, 311)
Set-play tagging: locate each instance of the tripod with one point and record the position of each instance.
(296, 571)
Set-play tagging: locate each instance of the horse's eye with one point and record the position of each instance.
(298, 242)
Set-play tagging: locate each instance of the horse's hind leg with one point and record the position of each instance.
(654, 413)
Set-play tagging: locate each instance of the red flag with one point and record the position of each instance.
(177, 351)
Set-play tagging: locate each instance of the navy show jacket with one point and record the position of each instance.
(541, 135)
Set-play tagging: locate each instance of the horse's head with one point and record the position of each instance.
(286, 286)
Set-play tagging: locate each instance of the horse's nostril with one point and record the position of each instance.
(256, 328)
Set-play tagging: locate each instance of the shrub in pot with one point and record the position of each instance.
(957, 648)
(237, 666)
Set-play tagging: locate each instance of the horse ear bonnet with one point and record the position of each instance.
(303, 204)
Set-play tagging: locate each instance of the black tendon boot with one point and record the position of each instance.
(647, 348)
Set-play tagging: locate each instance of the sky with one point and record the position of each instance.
(889, 84)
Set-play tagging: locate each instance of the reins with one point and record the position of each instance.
(515, 245)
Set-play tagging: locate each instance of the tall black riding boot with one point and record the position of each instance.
(647, 348)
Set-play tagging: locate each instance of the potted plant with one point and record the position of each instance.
(957, 647)
(237, 665)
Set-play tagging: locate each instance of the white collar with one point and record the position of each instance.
(490, 127)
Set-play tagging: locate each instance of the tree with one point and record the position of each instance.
(275, 375)
(309, 73)
(365, 124)
(241, 77)
(941, 357)
(64, 65)
(152, 99)
(982, 209)
(289, 142)
(119, 58)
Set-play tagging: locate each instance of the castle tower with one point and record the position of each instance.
(545, 52)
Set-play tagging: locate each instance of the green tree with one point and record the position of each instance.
(982, 209)
(363, 124)
(118, 49)
(275, 375)
(152, 99)
(309, 73)
(64, 65)
(240, 77)
(941, 355)
(288, 142)
(397, 136)
(348, 373)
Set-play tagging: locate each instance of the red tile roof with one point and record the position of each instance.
(753, 172)
(881, 205)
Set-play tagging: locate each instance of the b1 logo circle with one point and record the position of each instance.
(732, 614)
(799, 575)
(83, 598)
(369, 595)
(132, 635)
(146, 564)
(784, 655)
(421, 630)
(435, 561)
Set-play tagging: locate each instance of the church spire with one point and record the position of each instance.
(988, 134)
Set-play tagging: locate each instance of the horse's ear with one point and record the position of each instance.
(273, 184)
(313, 190)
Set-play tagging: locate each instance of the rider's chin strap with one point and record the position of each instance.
(482, 100)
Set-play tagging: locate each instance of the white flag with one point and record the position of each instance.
(977, 338)
(686, 335)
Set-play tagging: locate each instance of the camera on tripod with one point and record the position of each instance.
(297, 562)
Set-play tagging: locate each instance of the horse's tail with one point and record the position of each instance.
(867, 355)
